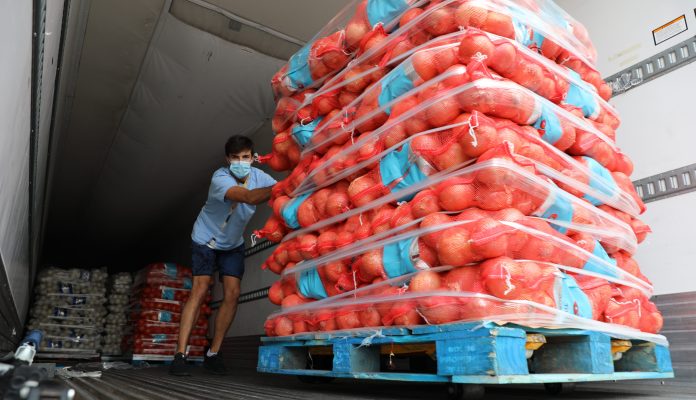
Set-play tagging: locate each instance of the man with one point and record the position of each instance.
(234, 192)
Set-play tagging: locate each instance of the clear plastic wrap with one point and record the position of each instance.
(442, 239)
(148, 315)
(418, 28)
(165, 293)
(62, 343)
(450, 147)
(359, 26)
(440, 100)
(162, 270)
(549, 10)
(461, 168)
(548, 36)
(499, 182)
(151, 328)
(502, 290)
(169, 305)
(616, 186)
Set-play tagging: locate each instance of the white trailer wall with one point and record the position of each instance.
(15, 115)
(19, 245)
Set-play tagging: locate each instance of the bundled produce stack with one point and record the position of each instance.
(117, 320)
(69, 307)
(451, 161)
(160, 292)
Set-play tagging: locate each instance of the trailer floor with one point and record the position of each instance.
(155, 383)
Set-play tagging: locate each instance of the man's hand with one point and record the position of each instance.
(244, 195)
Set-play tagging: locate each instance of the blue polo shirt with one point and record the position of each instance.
(222, 219)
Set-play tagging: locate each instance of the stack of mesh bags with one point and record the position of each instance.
(69, 307)
(117, 326)
(160, 291)
(456, 163)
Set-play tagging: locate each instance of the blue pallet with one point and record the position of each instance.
(478, 353)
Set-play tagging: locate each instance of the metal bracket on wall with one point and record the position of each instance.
(661, 63)
(667, 184)
(259, 247)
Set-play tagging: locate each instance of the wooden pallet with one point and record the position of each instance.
(466, 353)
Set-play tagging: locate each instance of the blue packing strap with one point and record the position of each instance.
(581, 96)
(561, 209)
(594, 266)
(289, 212)
(298, 67)
(303, 133)
(398, 166)
(168, 294)
(310, 285)
(165, 316)
(159, 338)
(384, 11)
(550, 124)
(536, 40)
(188, 284)
(394, 84)
(600, 180)
(522, 30)
(396, 258)
(170, 270)
(572, 299)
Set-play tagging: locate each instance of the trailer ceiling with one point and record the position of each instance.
(150, 90)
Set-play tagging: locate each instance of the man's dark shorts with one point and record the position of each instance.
(205, 261)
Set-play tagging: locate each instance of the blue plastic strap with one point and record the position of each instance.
(595, 266)
(398, 166)
(289, 212)
(188, 284)
(536, 40)
(550, 124)
(522, 30)
(397, 259)
(165, 316)
(581, 96)
(310, 284)
(168, 294)
(560, 209)
(303, 133)
(601, 180)
(298, 67)
(384, 11)
(394, 84)
(159, 337)
(572, 299)
(170, 269)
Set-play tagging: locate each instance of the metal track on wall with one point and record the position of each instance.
(667, 184)
(661, 63)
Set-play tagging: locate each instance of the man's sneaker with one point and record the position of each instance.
(215, 364)
(179, 367)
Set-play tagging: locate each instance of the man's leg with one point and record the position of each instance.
(189, 315)
(228, 309)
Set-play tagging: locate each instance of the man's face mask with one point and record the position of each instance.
(240, 169)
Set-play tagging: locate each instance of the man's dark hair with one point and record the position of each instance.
(238, 143)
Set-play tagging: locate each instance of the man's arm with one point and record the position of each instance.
(244, 195)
